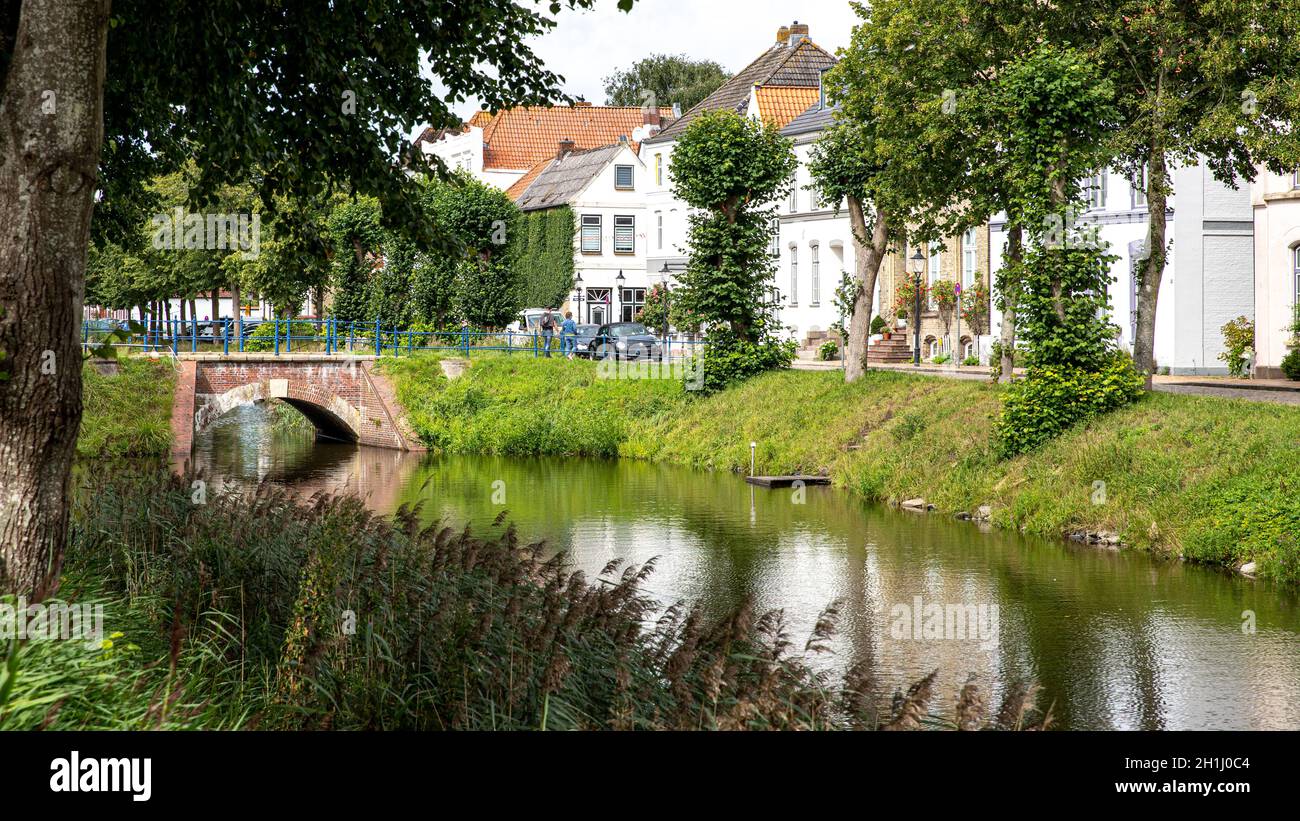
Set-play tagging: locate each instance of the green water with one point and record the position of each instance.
(1115, 640)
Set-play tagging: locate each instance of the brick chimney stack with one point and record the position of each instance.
(798, 33)
(566, 146)
(650, 115)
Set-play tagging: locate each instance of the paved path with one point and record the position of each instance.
(1277, 391)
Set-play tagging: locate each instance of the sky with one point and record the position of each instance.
(587, 46)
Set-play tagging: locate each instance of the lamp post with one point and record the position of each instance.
(577, 286)
(918, 267)
(619, 280)
(666, 352)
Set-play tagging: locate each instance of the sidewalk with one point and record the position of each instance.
(1277, 391)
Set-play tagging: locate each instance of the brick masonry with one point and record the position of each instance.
(344, 397)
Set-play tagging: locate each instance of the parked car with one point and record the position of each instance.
(582, 344)
(624, 340)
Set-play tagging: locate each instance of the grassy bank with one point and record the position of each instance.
(129, 413)
(1211, 479)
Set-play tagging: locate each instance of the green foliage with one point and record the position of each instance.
(1063, 308)
(905, 296)
(943, 293)
(730, 169)
(1238, 337)
(1052, 399)
(1291, 364)
(654, 313)
(975, 307)
(828, 351)
(665, 79)
(878, 324)
(486, 293)
(262, 339)
(542, 256)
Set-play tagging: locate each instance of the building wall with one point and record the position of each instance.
(600, 271)
(1276, 207)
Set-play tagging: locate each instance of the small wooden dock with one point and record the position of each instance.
(787, 481)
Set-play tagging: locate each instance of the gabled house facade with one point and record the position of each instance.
(605, 189)
(1276, 207)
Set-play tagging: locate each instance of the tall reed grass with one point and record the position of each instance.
(253, 611)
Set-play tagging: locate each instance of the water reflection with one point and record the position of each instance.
(1115, 640)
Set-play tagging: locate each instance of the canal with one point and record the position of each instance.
(1115, 640)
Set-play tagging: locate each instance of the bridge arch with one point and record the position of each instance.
(344, 398)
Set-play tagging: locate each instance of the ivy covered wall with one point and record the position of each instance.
(542, 256)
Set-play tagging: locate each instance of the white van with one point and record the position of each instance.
(530, 319)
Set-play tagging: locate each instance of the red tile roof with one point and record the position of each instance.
(519, 138)
(779, 105)
(517, 190)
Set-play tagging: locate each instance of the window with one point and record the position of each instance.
(933, 274)
(591, 228)
(631, 302)
(969, 257)
(815, 296)
(659, 219)
(1140, 189)
(624, 235)
(623, 177)
(1296, 251)
(1295, 178)
(774, 239)
(794, 194)
(659, 169)
(1096, 190)
(794, 275)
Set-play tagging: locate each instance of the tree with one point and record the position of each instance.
(94, 103)
(731, 169)
(1211, 81)
(664, 79)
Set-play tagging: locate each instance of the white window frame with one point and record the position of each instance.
(596, 221)
(1140, 189)
(793, 299)
(794, 195)
(815, 287)
(933, 273)
(1097, 191)
(774, 240)
(631, 174)
(659, 169)
(628, 224)
(659, 219)
(969, 257)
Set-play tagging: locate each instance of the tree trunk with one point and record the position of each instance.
(51, 130)
(1153, 267)
(216, 304)
(1015, 254)
(238, 310)
(868, 254)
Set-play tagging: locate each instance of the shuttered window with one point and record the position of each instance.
(624, 235)
(591, 233)
(623, 176)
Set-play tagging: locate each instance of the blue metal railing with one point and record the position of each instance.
(332, 337)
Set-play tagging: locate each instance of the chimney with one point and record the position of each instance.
(798, 33)
(783, 35)
(650, 115)
(622, 139)
(566, 145)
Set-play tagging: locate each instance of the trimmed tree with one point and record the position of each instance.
(731, 170)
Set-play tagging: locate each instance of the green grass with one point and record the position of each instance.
(127, 414)
(1211, 479)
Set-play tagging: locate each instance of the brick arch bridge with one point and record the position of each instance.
(342, 396)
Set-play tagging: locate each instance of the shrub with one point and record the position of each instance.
(1291, 364)
(727, 360)
(1238, 337)
(971, 361)
(1052, 399)
(878, 325)
(828, 351)
(263, 339)
(941, 359)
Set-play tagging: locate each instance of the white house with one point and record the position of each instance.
(605, 188)
(1209, 271)
(1276, 205)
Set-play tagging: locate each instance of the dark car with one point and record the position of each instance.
(624, 340)
(582, 342)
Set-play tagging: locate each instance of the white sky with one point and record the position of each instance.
(588, 46)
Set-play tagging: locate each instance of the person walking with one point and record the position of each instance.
(548, 331)
(568, 336)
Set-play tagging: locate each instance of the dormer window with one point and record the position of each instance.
(624, 177)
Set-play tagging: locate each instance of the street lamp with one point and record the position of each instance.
(667, 345)
(619, 280)
(577, 286)
(918, 268)
(955, 353)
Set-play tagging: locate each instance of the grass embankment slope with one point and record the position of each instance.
(128, 414)
(1211, 479)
